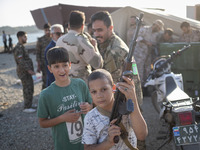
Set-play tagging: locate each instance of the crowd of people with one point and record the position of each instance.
(7, 48)
(79, 70)
(149, 39)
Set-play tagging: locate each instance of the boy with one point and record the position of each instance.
(25, 71)
(98, 131)
(58, 105)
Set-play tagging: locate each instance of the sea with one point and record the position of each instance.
(31, 37)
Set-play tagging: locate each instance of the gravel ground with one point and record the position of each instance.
(21, 131)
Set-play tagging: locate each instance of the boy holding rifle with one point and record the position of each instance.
(98, 131)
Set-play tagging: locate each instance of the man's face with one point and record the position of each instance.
(47, 32)
(101, 32)
(132, 21)
(167, 37)
(156, 28)
(185, 30)
(57, 33)
(24, 38)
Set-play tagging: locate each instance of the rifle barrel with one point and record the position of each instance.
(133, 42)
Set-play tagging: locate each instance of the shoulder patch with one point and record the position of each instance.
(19, 56)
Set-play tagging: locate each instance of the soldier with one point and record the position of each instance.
(81, 47)
(5, 41)
(189, 34)
(131, 30)
(145, 49)
(10, 45)
(40, 50)
(25, 71)
(167, 36)
(89, 29)
(111, 47)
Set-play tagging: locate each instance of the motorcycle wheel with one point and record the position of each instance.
(157, 105)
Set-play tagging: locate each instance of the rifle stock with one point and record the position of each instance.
(120, 106)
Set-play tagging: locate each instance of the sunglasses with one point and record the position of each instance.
(58, 33)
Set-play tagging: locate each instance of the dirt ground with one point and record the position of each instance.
(21, 131)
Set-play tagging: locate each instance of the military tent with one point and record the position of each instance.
(60, 13)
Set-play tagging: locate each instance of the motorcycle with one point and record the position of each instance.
(179, 111)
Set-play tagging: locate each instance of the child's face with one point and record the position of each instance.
(102, 94)
(60, 71)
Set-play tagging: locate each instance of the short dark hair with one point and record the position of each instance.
(169, 31)
(76, 19)
(20, 34)
(47, 25)
(103, 16)
(184, 24)
(57, 55)
(100, 74)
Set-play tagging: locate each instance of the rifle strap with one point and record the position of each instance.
(124, 138)
(103, 112)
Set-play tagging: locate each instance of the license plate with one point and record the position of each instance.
(186, 134)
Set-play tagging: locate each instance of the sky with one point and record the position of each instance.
(17, 12)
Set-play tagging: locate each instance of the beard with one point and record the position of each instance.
(24, 41)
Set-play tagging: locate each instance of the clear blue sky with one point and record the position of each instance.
(17, 12)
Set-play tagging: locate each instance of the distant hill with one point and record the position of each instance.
(14, 30)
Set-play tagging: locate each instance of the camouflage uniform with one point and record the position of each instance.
(143, 53)
(161, 39)
(24, 63)
(193, 36)
(114, 52)
(82, 54)
(40, 57)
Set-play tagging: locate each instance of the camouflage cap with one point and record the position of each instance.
(159, 23)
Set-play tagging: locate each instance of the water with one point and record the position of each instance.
(31, 37)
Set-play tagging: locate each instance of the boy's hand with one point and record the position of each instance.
(113, 131)
(127, 88)
(71, 116)
(85, 107)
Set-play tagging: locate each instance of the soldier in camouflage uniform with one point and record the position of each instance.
(113, 51)
(112, 48)
(42, 43)
(131, 30)
(145, 48)
(189, 34)
(82, 49)
(25, 71)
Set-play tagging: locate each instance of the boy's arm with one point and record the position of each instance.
(137, 121)
(69, 116)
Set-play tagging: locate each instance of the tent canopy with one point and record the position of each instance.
(121, 17)
(60, 13)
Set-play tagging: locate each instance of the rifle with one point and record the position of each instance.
(122, 106)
